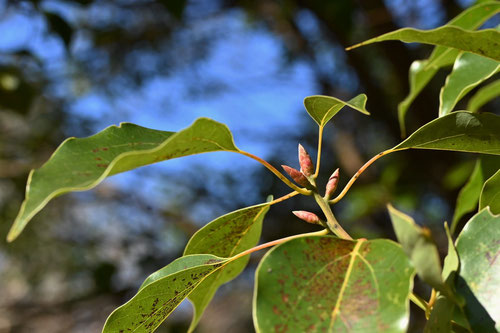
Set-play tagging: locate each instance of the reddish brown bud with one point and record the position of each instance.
(307, 216)
(331, 186)
(306, 164)
(297, 176)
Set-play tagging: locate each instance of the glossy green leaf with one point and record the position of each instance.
(468, 71)
(458, 131)
(468, 197)
(490, 194)
(224, 237)
(422, 71)
(326, 284)
(469, 19)
(485, 42)
(323, 108)
(484, 95)
(161, 293)
(478, 247)
(419, 247)
(81, 164)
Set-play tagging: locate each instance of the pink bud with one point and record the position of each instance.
(297, 176)
(306, 164)
(331, 186)
(307, 216)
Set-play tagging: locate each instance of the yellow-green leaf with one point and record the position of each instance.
(484, 95)
(468, 71)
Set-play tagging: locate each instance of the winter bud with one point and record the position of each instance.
(307, 216)
(297, 176)
(306, 164)
(331, 186)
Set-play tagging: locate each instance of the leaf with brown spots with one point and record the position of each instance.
(326, 284)
(226, 236)
(161, 293)
(81, 164)
(478, 247)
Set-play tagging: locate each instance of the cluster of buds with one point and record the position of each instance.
(305, 177)
(306, 169)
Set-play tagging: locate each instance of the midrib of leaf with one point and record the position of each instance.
(304, 289)
(336, 309)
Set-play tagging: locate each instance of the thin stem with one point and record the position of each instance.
(318, 158)
(279, 241)
(276, 172)
(358, 173)
(419, 302)
(283, 198)
(331, 221)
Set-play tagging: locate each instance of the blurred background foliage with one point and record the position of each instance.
(71, 68)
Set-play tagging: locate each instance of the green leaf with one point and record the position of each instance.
(468, 197)
(422, 71)
(323, 108)
(490, 195)
(485, 42)
(81, 164)
(224, 237)
(419, 247)
(469, 19)
(468, 71)
(441, 316)
(326, 284)
(484, 95)
(161, 293)
(419, 77)
(458, 131)
(451, 261)
(478, 247)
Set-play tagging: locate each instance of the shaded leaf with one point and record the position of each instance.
(490, 194)
(441, 316)
(451, 261)
(478, 247)
(458, 131)
(161, 293)
(81, 164)
(485, 42)
(419, 247)
(468, 197)
(326, 284)
(422, 71)
(323, 108)
(484, 95)
(468, 71)
(418, 77)
(224, 237)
